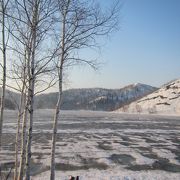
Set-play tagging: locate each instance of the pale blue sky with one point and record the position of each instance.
(145, 50)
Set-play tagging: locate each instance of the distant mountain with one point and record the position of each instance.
(166, 100)
(11, 99)
(94, 98)
(85, 99)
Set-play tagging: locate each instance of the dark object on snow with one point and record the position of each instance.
(73, 178)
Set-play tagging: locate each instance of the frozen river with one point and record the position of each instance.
(101, 143)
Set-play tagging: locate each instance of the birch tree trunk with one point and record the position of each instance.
(58, 105)
(20, 113)
(29, 138)
(24, 123)
(56, 117)
(31, 89)
(23, 143)
(4, 70)
(17, 137)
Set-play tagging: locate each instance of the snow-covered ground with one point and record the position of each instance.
(100, 145)
(166, 100)
(112, 174)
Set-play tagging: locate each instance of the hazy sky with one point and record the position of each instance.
(145, 50)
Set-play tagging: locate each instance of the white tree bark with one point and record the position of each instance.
(37, 20)
(54, 134)
(24, 123)
(4, 69)
(20, 114)
(31, 88)
(58, 105)
(23, 144)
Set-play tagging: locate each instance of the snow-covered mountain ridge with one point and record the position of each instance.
(166, 100)
(86, 98)
(95, 98)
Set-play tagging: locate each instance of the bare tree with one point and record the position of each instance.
(80, 22)
(32, 20)
(152, 110)
(138, 108)
(21, 109)
(3, 48)
(3, 6)
(125, 108)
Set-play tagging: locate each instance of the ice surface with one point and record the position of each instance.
(113, 174)
(100, 145)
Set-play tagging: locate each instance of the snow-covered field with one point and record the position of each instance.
(100, 145)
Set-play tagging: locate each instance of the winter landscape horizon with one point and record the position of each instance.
(90, 90)
(136, 141)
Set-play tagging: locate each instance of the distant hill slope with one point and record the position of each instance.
(166, 100)
(95, 98)
(86, 99)
(11, 99)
